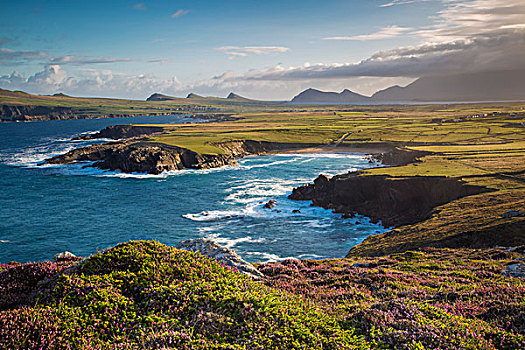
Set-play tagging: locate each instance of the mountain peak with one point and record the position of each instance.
(192, 95)
(233, 96)
(159, 97)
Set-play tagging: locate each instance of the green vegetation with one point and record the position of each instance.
(144, 295)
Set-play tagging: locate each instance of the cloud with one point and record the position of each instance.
(473, 18)
(14, 57)
(160, 60)
(179, 13)
(402, 2)
(243, 51)
(8, 56)
(467, 36)
(53, 75)
(89, 82)
(383, 33)
(502, 52)
(140, 6)
(87, 60)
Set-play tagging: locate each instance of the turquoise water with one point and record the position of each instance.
(45, 210)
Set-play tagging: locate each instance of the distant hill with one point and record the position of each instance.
(192, 95)
(313, 95)
(16, 93)
(231, 99)
(233, 96)
(487, 86)
(160, 97)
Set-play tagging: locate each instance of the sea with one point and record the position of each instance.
(48, 209)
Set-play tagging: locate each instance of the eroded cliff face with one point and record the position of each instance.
(242, 148)
(395, 201)
(142, 157)
(25, 113)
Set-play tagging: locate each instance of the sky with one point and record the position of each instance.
(267, 50)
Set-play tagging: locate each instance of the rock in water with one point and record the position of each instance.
(64, 256)
(223, 255)
(270, 204)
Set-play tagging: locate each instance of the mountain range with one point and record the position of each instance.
(487, 86)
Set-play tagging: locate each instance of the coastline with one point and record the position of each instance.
(390, 188)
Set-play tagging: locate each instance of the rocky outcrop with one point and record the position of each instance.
(395, 201)
(117, 132)
(64, 256)
(270, 204)
(399, 156)
(154, 158)
(222, 254)
(142, 157)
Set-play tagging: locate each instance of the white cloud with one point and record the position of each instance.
(384, 33)
(402, 2)
(179, 13)
(243, 51)
(462, 19)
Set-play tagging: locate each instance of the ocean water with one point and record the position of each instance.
(49, 209)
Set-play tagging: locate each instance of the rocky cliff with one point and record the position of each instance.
(242, 148)
(153, 158)
(25, 113)
(142, 157)
(395, 201)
